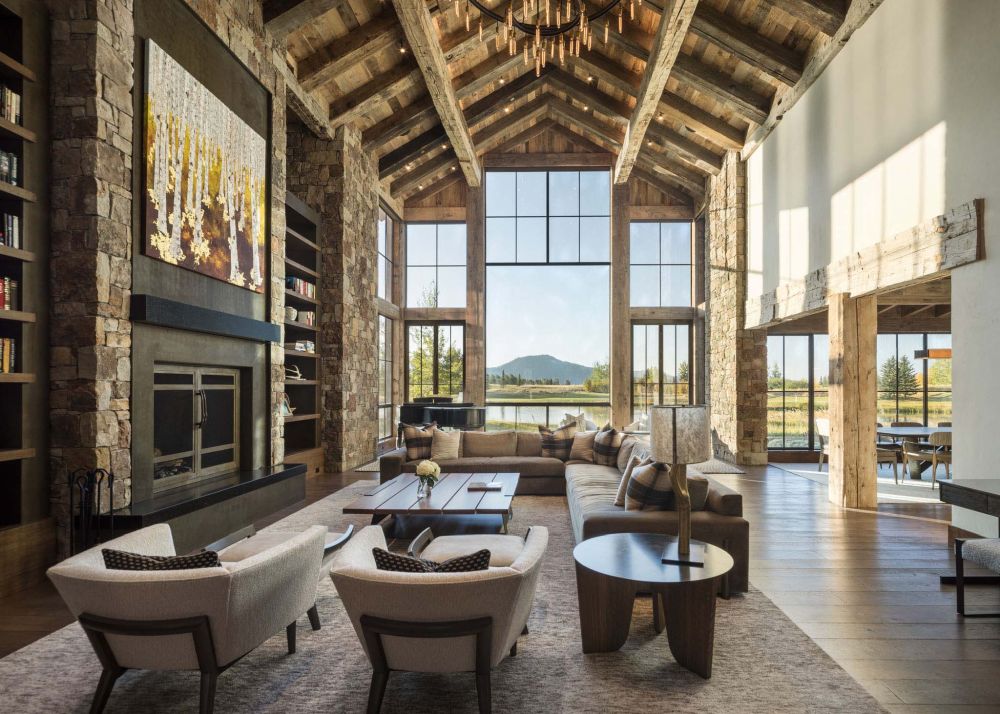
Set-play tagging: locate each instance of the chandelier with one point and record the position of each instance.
(551, 29)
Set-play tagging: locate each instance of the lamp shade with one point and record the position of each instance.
(680, 434)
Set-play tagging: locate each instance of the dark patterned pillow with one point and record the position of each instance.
(607, 443)
(651, 489)
(387, 560)
(122, 560)
(559, 443)
(418, 440)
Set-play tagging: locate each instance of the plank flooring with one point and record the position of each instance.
(862, 584)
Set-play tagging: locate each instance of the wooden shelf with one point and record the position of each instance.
(17, 254)
(297, 353)
(300, 325)
(297, 296)
(299, 268)
(301, 417)
(16, 454)
(16, 191)
(301, 239)
(17, 378)
(9, 128)
(17, 316)
(10, 67)
(300, 383)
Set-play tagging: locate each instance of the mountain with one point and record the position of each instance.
(543, 367)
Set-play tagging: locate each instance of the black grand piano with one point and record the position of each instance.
(446, 413)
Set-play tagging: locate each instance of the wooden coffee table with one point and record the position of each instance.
(450, 497)
(611, 569)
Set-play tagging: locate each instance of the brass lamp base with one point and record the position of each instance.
(695, 557)
(683, 552)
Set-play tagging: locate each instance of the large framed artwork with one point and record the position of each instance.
(204, 188)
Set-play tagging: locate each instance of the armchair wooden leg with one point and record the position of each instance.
(380, 678)
(290, 633)
(525, 630)
(959, 576)
(313, 617)
(208, 681)
(485, 692)
(513, 650)
(108, 678)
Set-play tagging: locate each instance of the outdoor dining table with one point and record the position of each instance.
(912, 433)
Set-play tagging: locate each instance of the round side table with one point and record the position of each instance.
(611, 569)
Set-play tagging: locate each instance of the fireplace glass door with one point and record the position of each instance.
(195, 423)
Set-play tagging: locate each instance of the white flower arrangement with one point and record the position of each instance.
(428, 472)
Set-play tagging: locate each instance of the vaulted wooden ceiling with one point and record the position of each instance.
(669, 95)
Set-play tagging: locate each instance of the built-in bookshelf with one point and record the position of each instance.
(302, 271)
(26, 534)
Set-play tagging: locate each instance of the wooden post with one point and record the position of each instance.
(475, 296)
(621, 328)
(853, 326)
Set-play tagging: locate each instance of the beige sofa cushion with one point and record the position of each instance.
(503, 549)
(529, 443)
(445, 445)
(583, 446)
(528, 466)
(489, 443)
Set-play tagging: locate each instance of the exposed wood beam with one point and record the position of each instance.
(398, 124)
(693, 185)
(722, 88)
(425, 174)
(423, 38)
(395, 161)
(580, 140)
(825, 15)
(667, 42)
(341, 54)
(631, 40)
(533, 110)
(856, 16)
(451, 179)
(662, 186)
(687, 149)
(485, 73)
(309, 109)
(931, 292)
(747, 44)
(511, 92)
(556, 160)
(609, 134)
(607, 70)
(284, 16)
(705, 123)
(380, 89)
(522, 137)
(588, 95)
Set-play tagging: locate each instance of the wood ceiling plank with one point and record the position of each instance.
(398, 124)
(687, 180)
(356, 47)
(522, 137)
(485, 73)
(825, 15)
(380, 89)
(705, 123)
(586, 93)
(722, 88)
(687, 149)
(532, 110)
(451, 179)
(511, 91)
(661, 185)
(609, 134)
(397, 160)
(423, 38)
(667, 42)
(284, 16)
(417, 179)
(748, 45)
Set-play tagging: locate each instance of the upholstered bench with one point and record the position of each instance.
(984, 552)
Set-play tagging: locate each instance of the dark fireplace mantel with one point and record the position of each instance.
(162, 312)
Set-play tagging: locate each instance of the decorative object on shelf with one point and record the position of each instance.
(293, 373)
(205, 184)
(680, 435)
(307, 346)
(87, 493)
(550, 28)
(291, 313)
(428, 472)
(286, 405)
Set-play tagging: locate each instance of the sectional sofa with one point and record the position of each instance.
(590, 491)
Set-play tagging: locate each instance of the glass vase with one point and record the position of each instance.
(424, 489)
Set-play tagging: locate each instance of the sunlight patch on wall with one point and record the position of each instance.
(755, 223)
(905, 190)
(793, 243)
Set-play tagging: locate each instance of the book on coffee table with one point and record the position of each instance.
(485, 486)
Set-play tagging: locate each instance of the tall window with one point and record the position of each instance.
(660, 264)
(548, 236)
(910, 389)
(661, 366)
(789, 382)
(435, 358)
(385, 420)
(435, 265)
(385, 227)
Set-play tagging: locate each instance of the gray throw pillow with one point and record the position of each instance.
(387, 560)
(650, 489)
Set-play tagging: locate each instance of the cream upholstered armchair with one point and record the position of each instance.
(203, 619)
(436, 622)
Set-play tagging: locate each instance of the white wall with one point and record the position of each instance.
(903, 124)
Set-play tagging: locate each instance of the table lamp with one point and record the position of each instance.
(679, 435)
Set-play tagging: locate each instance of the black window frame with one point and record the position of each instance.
(661, 264)
(661, 383)
(435, 379)
(437, 262)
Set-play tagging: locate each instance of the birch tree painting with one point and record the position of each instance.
(205, 191)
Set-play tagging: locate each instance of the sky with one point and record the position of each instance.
(560, 310)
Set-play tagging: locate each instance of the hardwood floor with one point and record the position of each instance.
(864, 585)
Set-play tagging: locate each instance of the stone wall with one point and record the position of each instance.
(92, 80)
(340, 181)
(736, 357)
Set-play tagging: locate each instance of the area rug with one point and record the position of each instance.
(373, 467)
(717, 466)
(763, 662)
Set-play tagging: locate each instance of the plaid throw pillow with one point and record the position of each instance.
(122, 560)
(650, 489)
(418, 440)
(386, 560)
(559, 443)
(606, 445)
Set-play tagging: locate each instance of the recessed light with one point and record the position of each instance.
(590, 78)
(506, 110)
(586, 107)
(502, 80)
(420, 187)
(452, 168)
(402, 48)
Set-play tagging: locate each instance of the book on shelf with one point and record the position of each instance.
(8, 355)
(10, 171)
(307, 317)
(10, 104)
(9, 294)
(10, 230)
(307, 346)
(300, 286)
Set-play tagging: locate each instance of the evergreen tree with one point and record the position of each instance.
(898, 375)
